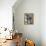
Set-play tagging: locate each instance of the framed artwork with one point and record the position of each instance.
(28, 18)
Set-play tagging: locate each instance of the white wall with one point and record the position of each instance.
(30, 31)
(43, 22)
(6, 13)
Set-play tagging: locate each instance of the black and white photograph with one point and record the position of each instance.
(28, 18)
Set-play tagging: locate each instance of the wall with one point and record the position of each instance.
(6, 13)
(29, 31)
(43, 22)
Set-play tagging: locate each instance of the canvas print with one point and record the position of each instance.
(28, 18)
